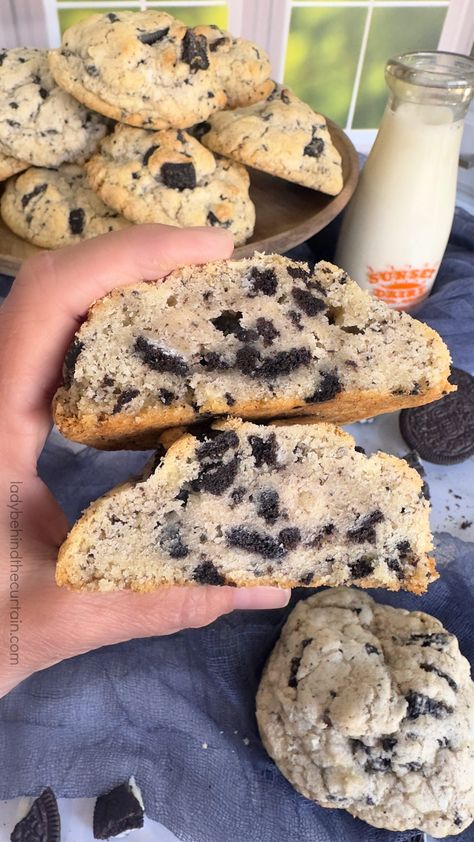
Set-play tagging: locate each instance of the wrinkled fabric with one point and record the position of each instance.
(178, 711)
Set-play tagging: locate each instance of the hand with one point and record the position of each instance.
(48, 301)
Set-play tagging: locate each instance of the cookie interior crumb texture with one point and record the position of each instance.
(370, 709)
(253, 338)
(244, 504)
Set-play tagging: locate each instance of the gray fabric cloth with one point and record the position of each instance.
(150, 707)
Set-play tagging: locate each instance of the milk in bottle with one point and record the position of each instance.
(397, 224)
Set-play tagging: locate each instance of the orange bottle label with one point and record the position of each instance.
(402, 288)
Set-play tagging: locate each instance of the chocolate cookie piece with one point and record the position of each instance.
(41, 823)
(443, 432)
(118, 811)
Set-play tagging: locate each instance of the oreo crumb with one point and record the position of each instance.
(207, 573)
(361, 568)
(298, 272)
(166, 397)
(70, 360)
(264, 451)
(148, 154)
(421, 705)
(264, 281)
(179, 176)
(441, 674)
(365, 531)
(306, 301)
(295, 663)
(254, 542)
(194, 51)
(269, 505)
(216, 478)
(151, 38)
(172, 543)
(290, 537)
(159, 359)
(125, 397)
(328, 388)
(267, 330)
(216, 448)
(77, 218)
(26, 199)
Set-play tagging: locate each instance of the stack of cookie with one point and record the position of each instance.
(193, 106)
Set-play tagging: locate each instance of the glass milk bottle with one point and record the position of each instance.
(397, 224)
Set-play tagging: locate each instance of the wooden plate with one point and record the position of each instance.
(287, 214)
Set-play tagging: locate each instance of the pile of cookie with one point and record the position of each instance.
(138, 118)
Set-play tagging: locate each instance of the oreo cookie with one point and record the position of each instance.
(443, 432)
(118, 811)
(41, 823)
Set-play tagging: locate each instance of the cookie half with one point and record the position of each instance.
(143, 68)
(254, 338)
(169, 177)
(243, 69)
(280, 135)
(370, 709)
(39, 122)
(242, 504)
(52, 208)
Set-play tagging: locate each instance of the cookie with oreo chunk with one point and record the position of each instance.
(40, 123)
(221, 339)
(244, 504)
(243, 69)
(146, 69)
(385, 700)
(52, 208)
(169, 177)
(280, 135)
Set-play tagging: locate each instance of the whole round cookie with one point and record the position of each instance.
(10, 166)
(169, 177)
(443, 432)
(371, 709)
(142, 68)
(242, 68)
(280, 135)
(39, 122)
(52, 208)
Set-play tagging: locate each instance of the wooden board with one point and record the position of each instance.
(287, 214)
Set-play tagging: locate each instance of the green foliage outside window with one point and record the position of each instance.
(323, 50)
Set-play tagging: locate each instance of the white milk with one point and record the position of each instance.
(398, 223)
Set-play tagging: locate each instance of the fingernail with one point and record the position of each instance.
(251, 598)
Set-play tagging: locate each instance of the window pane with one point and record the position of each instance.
(392, 31)
(195, 15)
(192, 16)
(67, 17)
(321, 59)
